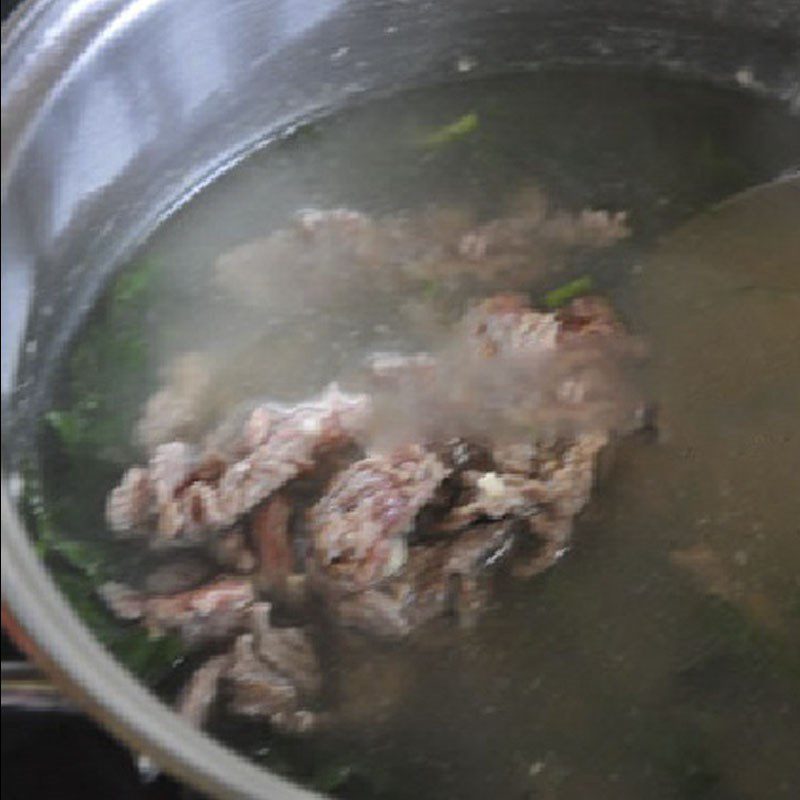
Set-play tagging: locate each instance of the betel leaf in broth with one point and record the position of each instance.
(88, 435)
(106, 374)
(79, 567)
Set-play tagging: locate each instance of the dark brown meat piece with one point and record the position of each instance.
(211, 613)
(199, 694)
(560, 487)
(397, 606)
(182, 572)
(493, 495)
(439, 579)
(258, 690)
(359, 527)
(286, 650)
(274, 673)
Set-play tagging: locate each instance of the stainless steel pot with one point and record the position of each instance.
(115, 111)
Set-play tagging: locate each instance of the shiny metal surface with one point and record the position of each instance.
(115, 111)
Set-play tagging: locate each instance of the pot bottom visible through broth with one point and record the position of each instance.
(661, 656)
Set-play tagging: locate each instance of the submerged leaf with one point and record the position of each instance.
(331, 777)
(458, 129)
(78, 569)
(563, 294)
(133, 283)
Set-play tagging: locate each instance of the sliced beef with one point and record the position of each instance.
(258, 690)
(231, 551)
(198, 696)
(178, 496)
(494, 459)
(269, 526)
(274, 674)
(448, 577)
(359, 527)
(505, 325)
(289, 651)
(130, 504)
(211, 613)
(492, 495)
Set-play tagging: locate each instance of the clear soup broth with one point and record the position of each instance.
(660, 657)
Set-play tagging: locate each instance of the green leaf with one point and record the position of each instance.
(79, 568)
(331, 777)
(107, 371)
(458, 129)
(149, 658)
(556, 298)
(133, 283)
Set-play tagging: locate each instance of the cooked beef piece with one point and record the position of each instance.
(183, 571)
(293, 441)
(571, 476)
(507, 374)
(170, 466)
(288, 651)
(269, 527)
(359, 527)
(231, 550)
(549, 536)
(198, 696)
(438, 579)
(211, 613)
(506, 325)
(338, 253)
(488, 444)
(258, 690)
(563, 475)
(194, 511)
(274, 672)
(395, 607)
(564, 371)
(188, 497)
(389, 370)
(470, 560)
(540, 231)
(130, 504)
(176, 410)
(492, 495)
(558, 478)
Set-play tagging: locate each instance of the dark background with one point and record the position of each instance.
(64, 755)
